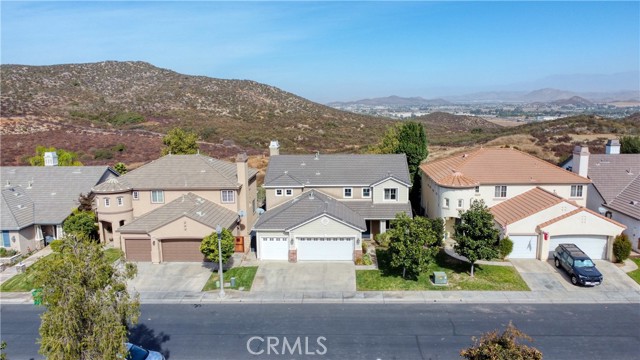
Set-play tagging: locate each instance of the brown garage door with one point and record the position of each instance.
(138, 249)
(181, 250)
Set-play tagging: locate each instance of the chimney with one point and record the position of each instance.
(243, 193)
(50, 158)
(581, 160)
(274, 148)
(613, 147)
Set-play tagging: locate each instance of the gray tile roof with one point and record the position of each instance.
(52, 190)
(370, 211)
(183, 172)
(338, 170)
(113, 185)
(17, 209)
(612, 173)
(628, 201)
(305, 207)
(189, 205)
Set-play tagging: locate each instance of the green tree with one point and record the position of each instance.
(630, 145)
(437, 226)
(621, 248)
(120, 167)
(82, 223)
(505, 346)
(3, 345)
(87, 304)
(413, 244)
(86, 201)
(475, 234)
(209, 246)
(178, 141)
(412, 141)
(65, 158)
(389, 142)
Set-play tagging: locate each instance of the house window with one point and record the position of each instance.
(136, 195)
(120, 200)
(288, 192)
(501, 191)
(228, 196)
(107, 202)
(278, 192)
(157, 196)
(477, 189)
(366, 192)
(446, 202)
(576, 190)
(391, 194)
(347, 193)
(460, 203)
(121, 223)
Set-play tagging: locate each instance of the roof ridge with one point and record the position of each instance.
(546, 163)
(11, 211)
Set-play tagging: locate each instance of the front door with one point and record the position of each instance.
(6, 242)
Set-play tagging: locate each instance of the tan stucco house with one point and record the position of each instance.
(161, 211)
(36, 200)
(536, 204)
(321, 206)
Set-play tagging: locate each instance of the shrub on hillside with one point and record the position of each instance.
(506, 247)
(621, 247)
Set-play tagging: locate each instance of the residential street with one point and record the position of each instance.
(357, 331)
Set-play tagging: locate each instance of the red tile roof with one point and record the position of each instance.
(525, 205)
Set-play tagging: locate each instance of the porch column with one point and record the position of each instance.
(383, 226)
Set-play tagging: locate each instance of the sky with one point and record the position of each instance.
(340, 51)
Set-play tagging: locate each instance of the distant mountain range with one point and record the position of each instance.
(546, 95)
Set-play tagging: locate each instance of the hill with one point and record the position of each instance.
(574, 101)
(392, 101)
(445, 123)
(138, 98)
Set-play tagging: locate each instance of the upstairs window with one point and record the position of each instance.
(278, 192)
(366, 192)
(157, 196)
(107, 202)
(120, 200)
(446, 202)
(477, 189)
(501, 191)
(460, 203)
(136, 195)
(228, 196)
(391, 194)
(347, 193)
(576, 191)
(288, 192)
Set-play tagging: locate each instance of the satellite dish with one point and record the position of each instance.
(602, 210)
(241, 213)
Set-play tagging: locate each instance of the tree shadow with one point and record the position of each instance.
(143, 336)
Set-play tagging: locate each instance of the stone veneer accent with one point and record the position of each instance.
(293, 256)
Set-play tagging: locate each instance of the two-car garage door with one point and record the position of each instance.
(176, 250)
(594, 246)
(325, 248)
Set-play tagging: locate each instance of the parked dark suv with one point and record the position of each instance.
(578, 265)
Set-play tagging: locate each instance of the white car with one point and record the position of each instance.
(135, 352)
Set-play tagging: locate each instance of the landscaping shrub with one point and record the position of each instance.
(55, 245)
(494, 346)
(366, 259)
(365, 246)
(621, 248)
(7, 252)
(383, 240)
(506, 247)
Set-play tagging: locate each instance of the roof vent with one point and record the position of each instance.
(317, 157)
(53, 193)
(8, 183)
(318, 173)
(20, 206)
(200, 200)
(286, 172)
(629, 172)
(30, 184)
(311, 197)
(303, 164)
(464, 155)
(200, 213)
(634, 202)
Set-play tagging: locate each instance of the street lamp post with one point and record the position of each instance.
(220, 275)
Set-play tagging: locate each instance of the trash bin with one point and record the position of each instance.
(233, 281)
(218, 283)
(37, 296)
(20, 268)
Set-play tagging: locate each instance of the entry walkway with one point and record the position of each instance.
(10, 272)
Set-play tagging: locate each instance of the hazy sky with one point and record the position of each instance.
(329, 51)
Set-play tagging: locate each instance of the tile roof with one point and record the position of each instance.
(524, 205)
(189, 205)
(628, 201)
(52, 190)
(113, 185)
(182, 172)
(17, 209)
(497, 166)
(370, 211)
(305, 207)
(335, 169)
(576, 211)
(612, 173)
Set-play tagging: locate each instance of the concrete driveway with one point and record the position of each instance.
(169, 277)
(544, 276)
(280, 276)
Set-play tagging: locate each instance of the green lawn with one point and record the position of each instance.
(244, 278)
(24, 282)
(635, 275)
(487, 277)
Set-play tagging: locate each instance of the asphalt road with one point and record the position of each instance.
(356, 331)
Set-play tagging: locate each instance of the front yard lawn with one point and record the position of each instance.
(635, 274)
(487, 277)
(24, 282)
(244, 278)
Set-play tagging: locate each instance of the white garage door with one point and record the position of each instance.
(524, 246)
(329, 248)
(594, 246)
(273, 248)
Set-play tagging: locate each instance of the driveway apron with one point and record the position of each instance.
(280, 276)
(170, 277)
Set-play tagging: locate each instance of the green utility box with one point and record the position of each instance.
(440, 278)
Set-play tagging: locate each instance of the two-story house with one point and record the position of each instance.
(535, 203)
(36, 200)
(162, 210)
(321, 207)
(615, 185)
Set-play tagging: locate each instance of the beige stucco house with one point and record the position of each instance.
(321, 206)
(161, 211)
(537, 204)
